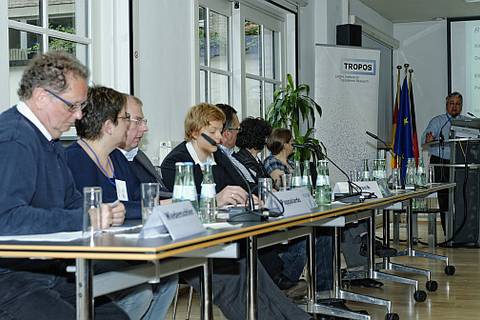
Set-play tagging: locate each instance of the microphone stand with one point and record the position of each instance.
(250, 214)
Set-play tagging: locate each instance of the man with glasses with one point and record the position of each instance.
(37, 192)
(140, 164)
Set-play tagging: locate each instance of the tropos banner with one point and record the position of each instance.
(346, 87)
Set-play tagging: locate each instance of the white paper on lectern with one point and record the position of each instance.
(296, 201)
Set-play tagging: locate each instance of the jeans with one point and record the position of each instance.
(28, 295)
(295, 257)
(148, 301)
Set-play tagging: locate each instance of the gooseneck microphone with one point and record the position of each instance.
(441, 138)
(250, 214)
(472, 115)
(320, 154)
(374, 136)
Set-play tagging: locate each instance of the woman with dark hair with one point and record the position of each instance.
(251, 140)
(94, 160)
(279, 143)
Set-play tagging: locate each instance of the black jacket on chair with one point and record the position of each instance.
(224, 173)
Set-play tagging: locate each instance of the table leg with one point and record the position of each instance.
(251, 278)
(207, 305)
(84, 279)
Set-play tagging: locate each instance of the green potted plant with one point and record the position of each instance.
(290, 108)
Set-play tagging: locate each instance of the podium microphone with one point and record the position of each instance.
(472, 115)
(249, 214)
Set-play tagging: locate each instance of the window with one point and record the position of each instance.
(262, 72)
(37, 26)
(214, 51)
(241, 53)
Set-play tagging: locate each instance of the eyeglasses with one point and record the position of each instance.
(139, 122)
(72, 107)
(126, 116)
(233, 129)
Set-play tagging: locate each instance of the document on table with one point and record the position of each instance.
(54, 237)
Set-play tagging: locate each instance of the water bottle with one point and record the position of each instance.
(306, 177)
(410, 174)
(421, 177)
(365, 171)
(189, 189)
(178, 184)
(208, 204)
(297, 175)
(323, 191)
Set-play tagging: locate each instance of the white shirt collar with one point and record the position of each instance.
(129, 154)
(28, 113)
(195, 157)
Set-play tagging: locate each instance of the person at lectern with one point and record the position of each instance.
(438, 129)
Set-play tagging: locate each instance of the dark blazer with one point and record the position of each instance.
(224, 173)
(145, 171)
(252, 164)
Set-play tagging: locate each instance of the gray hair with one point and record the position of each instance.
(49, 70)
(454, 94)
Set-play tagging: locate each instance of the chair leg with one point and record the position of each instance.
(175, 301)
(189, 305)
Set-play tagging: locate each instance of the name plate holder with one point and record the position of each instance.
(180, 220)
(296, 201)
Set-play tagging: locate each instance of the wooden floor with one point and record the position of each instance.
(457, 297)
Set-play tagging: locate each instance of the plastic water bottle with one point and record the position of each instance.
(297, 175)
(323, 190)
(189, 189)
(410, 174)
(365, 171)
(306, 177)
(178, 184)
(208, 205)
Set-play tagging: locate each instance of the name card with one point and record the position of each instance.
(366, 186)
(296, 201)
(180, 219)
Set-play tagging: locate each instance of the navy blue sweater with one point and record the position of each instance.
(37, 191)
(87, 174)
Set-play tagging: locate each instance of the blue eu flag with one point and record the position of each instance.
(403, 135)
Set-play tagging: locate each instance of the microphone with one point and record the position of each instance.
(250, 214)
(472, 115)
(374, 136)
(320, 154)
(440, 135)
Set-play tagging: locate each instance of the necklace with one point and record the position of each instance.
(99, 164)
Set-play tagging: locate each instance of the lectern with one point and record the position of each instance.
(463, 222)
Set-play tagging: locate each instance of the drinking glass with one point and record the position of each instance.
(264, 192)
(150, 199)
(285, 182)
(92, 217)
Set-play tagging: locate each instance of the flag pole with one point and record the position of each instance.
(394, 160)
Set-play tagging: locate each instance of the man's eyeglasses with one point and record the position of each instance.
(139, 122)
(233, 129)
(72, 107)
(126, 116)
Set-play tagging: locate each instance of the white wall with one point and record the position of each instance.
(423, 45)
(166, 67)
(374, 19)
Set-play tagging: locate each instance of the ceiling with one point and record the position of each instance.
(422, 10)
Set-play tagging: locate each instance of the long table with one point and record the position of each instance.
(111, 247)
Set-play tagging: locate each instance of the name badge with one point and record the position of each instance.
(180, 219)
(122, 193)
(296, 201)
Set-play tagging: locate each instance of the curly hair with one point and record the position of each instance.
(277, 139)
(49, 70)
(253, 133)
(200, 116)
(103, 104)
